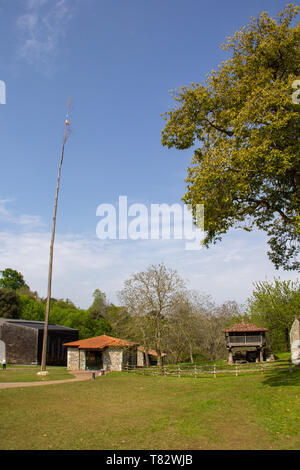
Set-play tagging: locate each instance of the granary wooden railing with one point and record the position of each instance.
(210, 370)
(245, 340)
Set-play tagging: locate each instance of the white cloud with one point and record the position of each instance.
(23, 221)
(36, 3)
(83, 263)
(3, 208)
(41, 28)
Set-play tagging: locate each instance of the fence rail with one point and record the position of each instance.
(210, 369)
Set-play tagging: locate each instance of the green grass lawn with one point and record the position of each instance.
(29, 374)
(120, 411)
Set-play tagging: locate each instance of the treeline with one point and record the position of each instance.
(159, 312)
(19, 302)
(165, 315)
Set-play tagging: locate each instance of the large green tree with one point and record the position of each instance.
(245, 131)
(12, 279)
(9, 304)
(100, 305)
(274, 306)
(64, 312)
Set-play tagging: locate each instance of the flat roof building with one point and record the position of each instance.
(22, 341)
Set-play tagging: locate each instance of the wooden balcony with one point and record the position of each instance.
(245, 340)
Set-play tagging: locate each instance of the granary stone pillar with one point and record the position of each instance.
(261, 355)
(2, 351)
(230, 356)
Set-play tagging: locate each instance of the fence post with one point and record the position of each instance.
(215, 374)
(178, 371)
(133, 370)
(195, 373)
(262, 368)
(290, 366)
(236, 370)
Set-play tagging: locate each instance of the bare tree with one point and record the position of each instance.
(186, 327)
(213, 323)
(195, 328)
(151, 297)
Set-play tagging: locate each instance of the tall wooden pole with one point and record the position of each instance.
(44, 350)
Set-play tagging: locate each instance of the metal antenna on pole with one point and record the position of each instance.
(67, 131)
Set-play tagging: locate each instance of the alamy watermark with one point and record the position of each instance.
(157, 222)
(2, 92)
(296, 94)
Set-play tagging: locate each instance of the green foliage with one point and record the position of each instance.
(120, 321)
(245, 130)
(99, 307)
(62, 312)
(31, 308)
(9, 304)
(274, 306)
(12, 279)
(65, 313)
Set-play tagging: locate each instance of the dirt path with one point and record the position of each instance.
(79, 375)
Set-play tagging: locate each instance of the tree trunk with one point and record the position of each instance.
(145, 346)
(147, 357)
(159, 359)
(287, 339)
(191, 354)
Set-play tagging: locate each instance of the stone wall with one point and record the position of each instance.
(73, 359)
(113, 359)
(82, 359)
(76, 359)
(2, 351)
(295, 341)
(21, 343)
(140, 358)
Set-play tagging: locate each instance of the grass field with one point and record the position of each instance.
(118, 412)
(29, 374)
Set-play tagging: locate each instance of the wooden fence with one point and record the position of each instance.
(211, 370)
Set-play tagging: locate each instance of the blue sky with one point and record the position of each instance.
(118, 60)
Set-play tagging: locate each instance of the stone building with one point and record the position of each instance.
(107, 353)
(295, 341)
(141, 359)
(21, 342)
(101, 353)
(245, 342)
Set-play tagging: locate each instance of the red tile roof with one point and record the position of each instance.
(100, 342)
(151, 352)
(244, 328)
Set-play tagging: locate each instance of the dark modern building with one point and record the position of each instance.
(23, 341)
